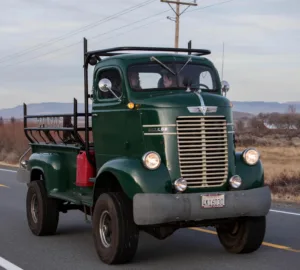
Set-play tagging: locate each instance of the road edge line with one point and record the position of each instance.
(285, 212)
(6, 170)
(8, 265)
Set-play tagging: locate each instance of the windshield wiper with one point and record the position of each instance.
(152, 58)
(189, 60)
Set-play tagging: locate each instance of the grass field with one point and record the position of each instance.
(281, 163)
(282, 171)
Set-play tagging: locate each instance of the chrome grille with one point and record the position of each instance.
(202, 149)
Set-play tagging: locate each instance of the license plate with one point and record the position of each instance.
(213, 200)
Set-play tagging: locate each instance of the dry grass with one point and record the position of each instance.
(282, 171)
(281, 163)
(13, 142)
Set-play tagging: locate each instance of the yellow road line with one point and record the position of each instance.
(264, 243)
(3, 186)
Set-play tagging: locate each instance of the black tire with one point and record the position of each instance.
(122, 244)
(45, 222)
(244, 236)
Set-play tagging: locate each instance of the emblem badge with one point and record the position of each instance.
(203, 109)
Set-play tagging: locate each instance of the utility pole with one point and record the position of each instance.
(177, 13)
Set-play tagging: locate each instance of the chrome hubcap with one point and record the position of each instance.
(105, 229)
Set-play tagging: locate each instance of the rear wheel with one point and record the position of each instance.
(244, 235)
(42, 211)
(114, 231)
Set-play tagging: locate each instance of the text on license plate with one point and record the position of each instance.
(213, 200)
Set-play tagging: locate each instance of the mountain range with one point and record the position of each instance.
(240, 108)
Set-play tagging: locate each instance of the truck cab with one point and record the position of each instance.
(162, 155)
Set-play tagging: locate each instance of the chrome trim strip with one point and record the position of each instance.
(202, 108)
(196, 109)
(167, 125)
(163, 133)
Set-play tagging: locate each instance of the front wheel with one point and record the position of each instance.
(244, 235)
(114, 231)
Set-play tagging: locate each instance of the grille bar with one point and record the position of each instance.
(202, 150)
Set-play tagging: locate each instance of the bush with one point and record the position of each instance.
(285, 184)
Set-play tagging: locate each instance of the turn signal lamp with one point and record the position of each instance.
(130, 105)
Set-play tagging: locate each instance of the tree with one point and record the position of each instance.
(292, 109)
(240, 125)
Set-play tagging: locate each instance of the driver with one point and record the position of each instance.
(134, 80)
(169, 80)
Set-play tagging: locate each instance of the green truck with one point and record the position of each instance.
(156, 153)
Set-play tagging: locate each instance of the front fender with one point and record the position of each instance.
(252, 176)
(50, 164)
(135, 178)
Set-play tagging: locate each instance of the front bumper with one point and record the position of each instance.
(151, 209)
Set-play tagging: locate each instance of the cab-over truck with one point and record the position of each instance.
(162, 155)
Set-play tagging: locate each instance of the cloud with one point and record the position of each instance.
(262, 41)
(269, 22)
(9, 29)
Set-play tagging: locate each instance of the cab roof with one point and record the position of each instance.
(146, 52)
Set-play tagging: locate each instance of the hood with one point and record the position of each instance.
(183, 99)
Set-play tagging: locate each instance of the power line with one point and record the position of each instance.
(115, 29)
(89, 26)
(178, 14)
(96, 36)
(216, 4)
(117, 35)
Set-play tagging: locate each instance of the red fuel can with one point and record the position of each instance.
(85, 170)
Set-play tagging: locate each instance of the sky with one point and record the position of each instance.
(41, 49)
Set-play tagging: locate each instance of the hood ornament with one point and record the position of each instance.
(203, 109)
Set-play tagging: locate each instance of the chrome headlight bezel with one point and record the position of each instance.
(147, 155)
(180, 185)
(235, 181)
(248, 152)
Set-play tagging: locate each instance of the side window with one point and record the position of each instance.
(114, 76)
(206, 79)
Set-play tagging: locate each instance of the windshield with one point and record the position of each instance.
(166, 75)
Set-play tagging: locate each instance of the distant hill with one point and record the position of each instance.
(40, 108)
(240, 108)
(256, 107)
(240, 115)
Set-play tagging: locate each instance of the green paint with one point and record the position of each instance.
(121, 139)
(135, 178)
(58, 164)
(252, 176)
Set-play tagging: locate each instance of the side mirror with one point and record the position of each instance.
(105, 85)
(225, 87)
(24, 163)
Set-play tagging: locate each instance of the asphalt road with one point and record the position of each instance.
(73, 248)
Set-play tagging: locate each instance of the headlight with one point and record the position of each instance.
(251, 156)
(151, 160)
